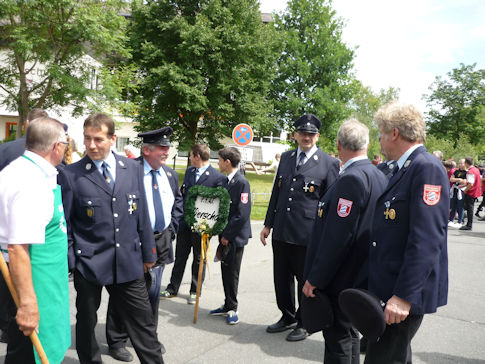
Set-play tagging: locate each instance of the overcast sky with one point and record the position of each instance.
(405, 44)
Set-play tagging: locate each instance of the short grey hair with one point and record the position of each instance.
(42, 133)
(353, 135)
(406, 118)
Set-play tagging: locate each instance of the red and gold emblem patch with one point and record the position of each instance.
(344, 206)
(244, 198)
(431, 194)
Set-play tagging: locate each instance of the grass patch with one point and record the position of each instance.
(261, 187)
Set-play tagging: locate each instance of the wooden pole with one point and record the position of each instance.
(204, 240)
(33, 337)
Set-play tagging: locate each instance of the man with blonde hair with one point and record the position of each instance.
(408, 262)
(339, 244)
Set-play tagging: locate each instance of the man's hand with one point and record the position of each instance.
(147, 266)
(308, 289)
(396, 310)
(224, 241)
(264, 234)
(28, 318)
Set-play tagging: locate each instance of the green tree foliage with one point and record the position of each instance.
(43, 48)
(363, 106)
(205, 66)
(455, 103)
(314, 70)
(462, 150)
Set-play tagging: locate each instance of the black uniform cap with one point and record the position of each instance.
(308, 123)
(316, 312)
(157, 137)
(365, 311)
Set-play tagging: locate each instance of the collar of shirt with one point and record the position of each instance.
(231, 175)
(202, 169)
(406, 155)
(147, 168)
(390, 162)
(110, 161)
(350, 161)
(308, 153)
(48, 168)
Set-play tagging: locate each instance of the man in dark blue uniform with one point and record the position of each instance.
(15, 148)
(408, 262)
(303, 176)
(111, 242)
(339, 244)
(8, 152)
(165, 209)
(236, 233)
(200, 173)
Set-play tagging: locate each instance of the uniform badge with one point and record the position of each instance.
(315, 157)
(406, 165)
(292, 154)
(245, 198)
(320, 209)
(169, 174)
(390, 213)
(130, 208)
(207, 172)
(311, 189)
(134, 206)
(90, 212)
(344, 206)
(121, 163)
(431, 194)
(305, 187)
(88, 166)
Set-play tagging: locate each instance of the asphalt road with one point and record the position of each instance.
(455, 334)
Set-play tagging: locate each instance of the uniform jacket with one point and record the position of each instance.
(339, 244)
(10, 151)
(386, 168)
(293, 205)
(210, 178)
(408, 253)
(177, 208)
(238, 228)
(109, 232)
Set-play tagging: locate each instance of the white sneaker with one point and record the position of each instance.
(451, 224)
(457, 225)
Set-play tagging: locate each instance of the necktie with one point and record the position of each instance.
(395, 170)
(197, 174)
(301, 160)
(157, 204)
(107, 176)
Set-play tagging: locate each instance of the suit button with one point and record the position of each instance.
(78, 251)
(115, 214)
(374, 243)
(117, 245)
(134, 196)
(90, 203)
(292, 189)
(294, 179)
(114, 199)
(290, 199)
(117, 230)
(288, 209)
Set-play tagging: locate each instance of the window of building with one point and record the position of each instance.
(121, 142)
(10, 128)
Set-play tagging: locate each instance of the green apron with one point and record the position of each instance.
(51, 285)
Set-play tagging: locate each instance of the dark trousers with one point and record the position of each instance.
(469, 206)
(456, 206)
(288, 264)
(19, 348)
(186, 241)
(230, 279)
(116, 334)
(394, 346)
(482, 204)
(7, 306)
(130, 301)
(342, 345)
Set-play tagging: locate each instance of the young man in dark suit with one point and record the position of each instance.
(200, 173)
(236, 233)
(339, 244)
(303, 177)
(111, 243)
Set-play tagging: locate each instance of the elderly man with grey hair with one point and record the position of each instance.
(340, 240)
(33, 238)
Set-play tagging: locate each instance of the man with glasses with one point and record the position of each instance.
(33, 239)
(111, 243)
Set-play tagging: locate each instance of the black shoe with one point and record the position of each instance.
(481, 219)
(477, 214)
(297, 334)
(465, 227)
(120, 354)
(280, 326)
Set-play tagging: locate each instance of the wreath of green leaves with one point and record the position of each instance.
(208, 192)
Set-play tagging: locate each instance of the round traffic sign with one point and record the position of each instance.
(242, 134)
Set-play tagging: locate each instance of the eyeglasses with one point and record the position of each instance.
(63, 142)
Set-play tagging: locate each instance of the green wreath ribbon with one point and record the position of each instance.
(207, 192)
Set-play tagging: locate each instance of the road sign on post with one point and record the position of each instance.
(242, 134)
